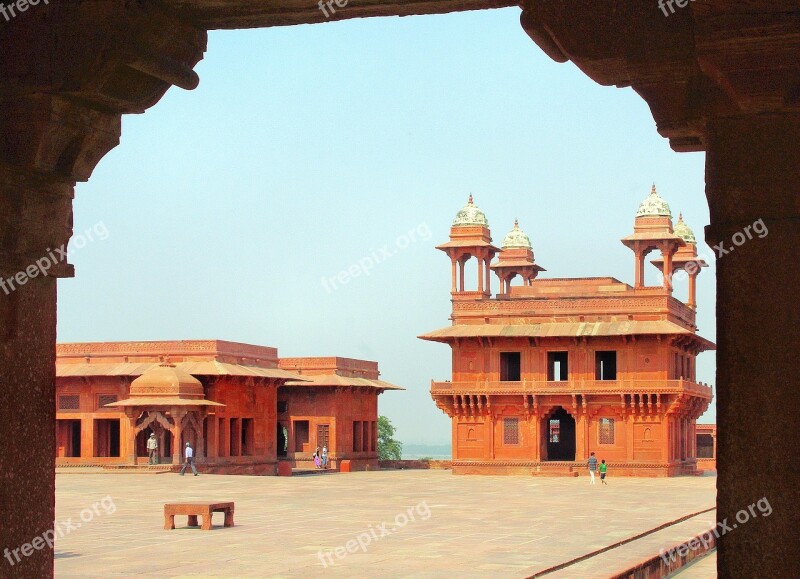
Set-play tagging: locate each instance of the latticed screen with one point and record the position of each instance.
(555, 430)
(606, 431)
(510, 430)
(104, 399)
(69, 402)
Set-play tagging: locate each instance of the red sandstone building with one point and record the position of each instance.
(241, 407)
(546, 372)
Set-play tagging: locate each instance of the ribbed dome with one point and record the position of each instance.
(684, 231)
(654, 206)
(516, 238)
(470, 216)
(167, 380)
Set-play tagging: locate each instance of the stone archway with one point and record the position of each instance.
(61, 115)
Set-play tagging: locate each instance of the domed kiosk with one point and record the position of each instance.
(652, 229)
(515, 258)
(470, 238)
(172, 404)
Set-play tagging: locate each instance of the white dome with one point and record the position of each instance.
(654, 206)
(516, 238)
(470, 216)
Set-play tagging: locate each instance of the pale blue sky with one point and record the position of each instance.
(305, 149)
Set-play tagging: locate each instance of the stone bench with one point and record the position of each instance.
(193, 510)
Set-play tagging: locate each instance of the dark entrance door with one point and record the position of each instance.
(560, 436)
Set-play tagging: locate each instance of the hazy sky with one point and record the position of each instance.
(307, 149)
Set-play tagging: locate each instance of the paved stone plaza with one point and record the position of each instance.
(441, 524)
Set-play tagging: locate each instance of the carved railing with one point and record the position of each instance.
(571, 387)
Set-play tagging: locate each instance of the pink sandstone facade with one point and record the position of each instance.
(546, 372)
(337, 407)
(222, 397)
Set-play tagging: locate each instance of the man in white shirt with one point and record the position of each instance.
(152, 448)
(189, 454)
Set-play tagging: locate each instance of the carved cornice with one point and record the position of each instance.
(691, 64)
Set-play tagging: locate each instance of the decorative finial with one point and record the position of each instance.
(680, 216)
(653, 190)
(516, 224)
(470, 199)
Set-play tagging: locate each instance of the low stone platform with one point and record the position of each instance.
(411, 523)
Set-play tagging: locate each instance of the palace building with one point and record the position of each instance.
(242, 408)
(547, 372)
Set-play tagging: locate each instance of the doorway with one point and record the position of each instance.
(559, 435)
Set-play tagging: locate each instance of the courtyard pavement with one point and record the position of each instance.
(410, 523)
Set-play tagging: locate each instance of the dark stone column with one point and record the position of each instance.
(753, 189)
(35, 219)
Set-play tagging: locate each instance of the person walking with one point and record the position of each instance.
(152, 448)
(603, 469)
(324, 457)
(189, 460)
(592, 468)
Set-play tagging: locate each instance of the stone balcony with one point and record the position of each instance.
(541, 387)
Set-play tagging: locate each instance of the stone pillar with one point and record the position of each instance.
(127, 439)
(35, 218)
(453, 287)
(753, 190)
(638, 274)
(211, 436)
(581, 437)
(177, 433)
(692, 301)
(479, 257)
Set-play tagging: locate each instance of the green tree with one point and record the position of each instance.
(388, 447)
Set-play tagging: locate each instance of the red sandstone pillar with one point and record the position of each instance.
(212, 438)
(480, 273)
(753, 185)
(453, 287)
(692, 302)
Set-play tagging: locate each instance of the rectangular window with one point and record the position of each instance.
(511, 431)
(605, 365)
(557, 366)
(300, 435)
(510, 366)
(555, 430)
(69, 402)
(606, 431)
(104, 399)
